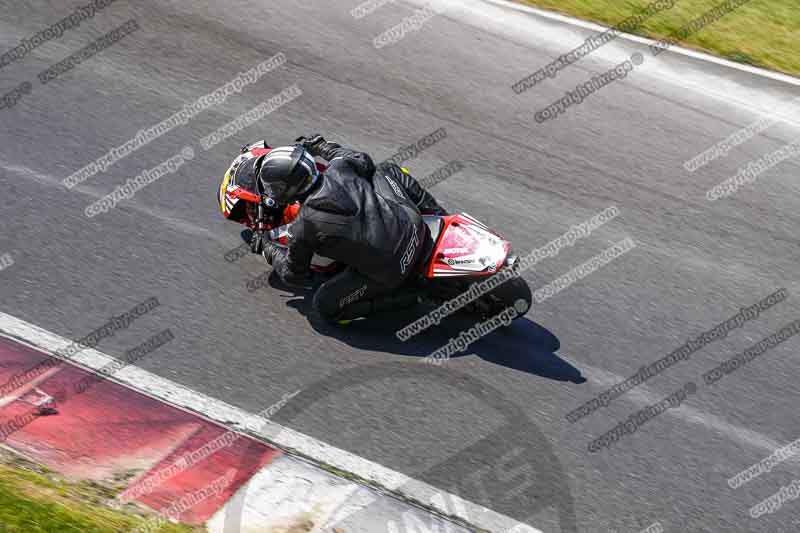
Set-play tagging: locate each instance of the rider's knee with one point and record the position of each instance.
(324, 303)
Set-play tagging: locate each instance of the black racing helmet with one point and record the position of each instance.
(285, 174)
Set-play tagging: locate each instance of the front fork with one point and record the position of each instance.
(260, 225)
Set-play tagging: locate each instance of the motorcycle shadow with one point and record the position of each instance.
(524, 345)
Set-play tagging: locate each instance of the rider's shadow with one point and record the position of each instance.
(524, 345)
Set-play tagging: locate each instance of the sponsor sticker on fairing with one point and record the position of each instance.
(456, 251)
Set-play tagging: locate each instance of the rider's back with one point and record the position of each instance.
(348, 220)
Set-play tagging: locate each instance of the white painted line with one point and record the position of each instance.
(760, 111)
(288, 439)
(643, 396)
(94, 192)
(777, 76)
(508, 20)
(541, 32)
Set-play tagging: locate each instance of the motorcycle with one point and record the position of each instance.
(464, 252)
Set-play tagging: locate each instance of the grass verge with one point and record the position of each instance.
(762, 33)
(35, 500)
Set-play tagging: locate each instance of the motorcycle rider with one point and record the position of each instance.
(365, 217)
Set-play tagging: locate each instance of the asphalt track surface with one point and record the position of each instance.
(489, 425)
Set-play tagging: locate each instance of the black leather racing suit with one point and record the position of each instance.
(365, 217)
(422, 199)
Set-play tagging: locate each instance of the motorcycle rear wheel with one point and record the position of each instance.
(514, 292)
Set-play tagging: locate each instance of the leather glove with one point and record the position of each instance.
(312, 143)
(275, 254)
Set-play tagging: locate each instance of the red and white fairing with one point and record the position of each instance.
(466, 246)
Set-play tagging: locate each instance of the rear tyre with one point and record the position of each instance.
(512, 293)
